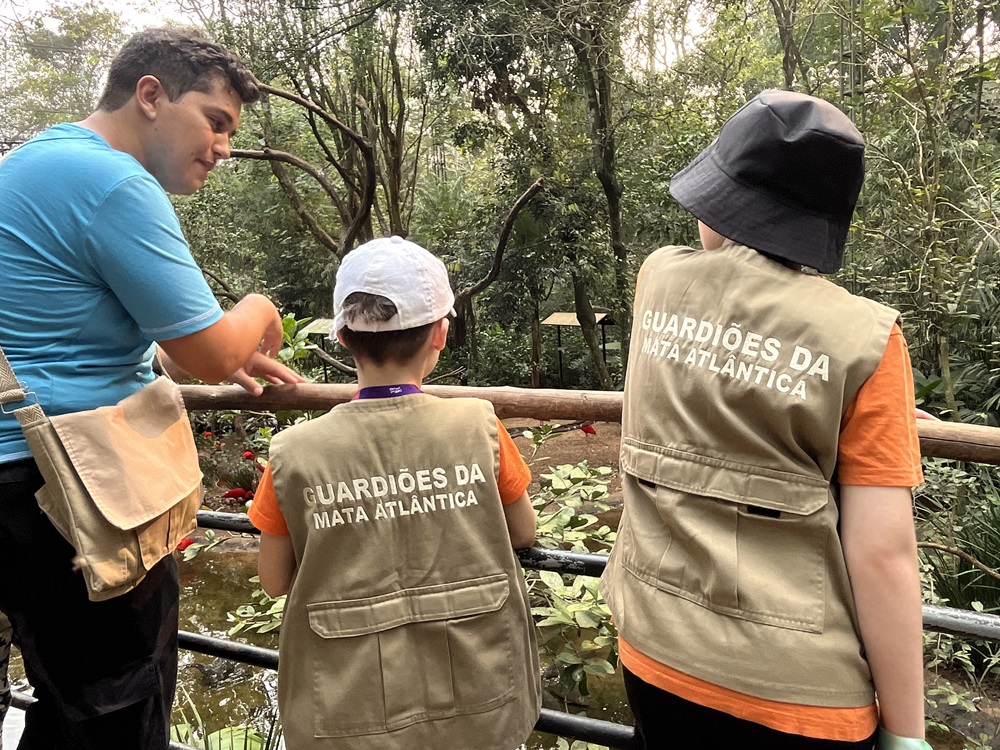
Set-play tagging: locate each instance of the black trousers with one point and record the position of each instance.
(104, 673)
(663, 722)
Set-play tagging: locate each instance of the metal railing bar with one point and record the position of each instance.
(238, 522)
(585, 728)
(561, 561)
(961, 622)
(232, 650)
(936, 618)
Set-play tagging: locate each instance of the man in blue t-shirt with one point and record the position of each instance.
(96, 273)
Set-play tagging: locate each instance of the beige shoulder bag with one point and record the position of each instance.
(122, 482)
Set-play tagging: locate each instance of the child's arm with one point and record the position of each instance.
(881, 553)
(521, 523)
(276, 563)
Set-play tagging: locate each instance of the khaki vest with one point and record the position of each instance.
(407, 625)
(728, 564)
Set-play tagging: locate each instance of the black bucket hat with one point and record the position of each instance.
(783, 177)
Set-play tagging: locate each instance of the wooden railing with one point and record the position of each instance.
(939, 439)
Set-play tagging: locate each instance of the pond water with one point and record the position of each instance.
(214, 693)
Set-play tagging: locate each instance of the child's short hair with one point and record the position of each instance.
(383, 346)
(783, 178)
(388, 293)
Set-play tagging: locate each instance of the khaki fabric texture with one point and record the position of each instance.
(739, 375)
(408, 623)
(122, 482)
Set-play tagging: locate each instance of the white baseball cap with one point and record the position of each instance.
(415, 281)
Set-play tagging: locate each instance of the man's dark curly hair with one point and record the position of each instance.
(181, 60)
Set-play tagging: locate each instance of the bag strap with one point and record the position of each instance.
(11, 389)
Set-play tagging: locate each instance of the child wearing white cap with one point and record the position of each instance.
(391, 523)
(765, 580)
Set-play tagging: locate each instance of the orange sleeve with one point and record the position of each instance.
(515, 476)
(264, 511)
(878, 445)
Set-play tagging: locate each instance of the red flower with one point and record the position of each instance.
(184, 543)
(248, 455)
(589, 429)
(207, 433)
(235, 492)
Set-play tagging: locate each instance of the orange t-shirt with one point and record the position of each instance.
(878, 447)
(515, 476)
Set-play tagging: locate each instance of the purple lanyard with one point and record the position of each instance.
(387, 391)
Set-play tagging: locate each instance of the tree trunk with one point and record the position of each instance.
(536, 349)
(588, 325)
(596, 78)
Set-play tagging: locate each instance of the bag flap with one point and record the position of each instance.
(136, 458)
(352, 617)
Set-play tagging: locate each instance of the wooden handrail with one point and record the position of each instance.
(953, 440)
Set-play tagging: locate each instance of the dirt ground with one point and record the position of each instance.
(599, 449)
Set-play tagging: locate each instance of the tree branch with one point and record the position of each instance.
(962, 554)
(270, 154)
(474, 289)
(227, 291)
(367, 151)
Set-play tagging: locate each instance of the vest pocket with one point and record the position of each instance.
(386, 662)
(762, 561)
(781, 570)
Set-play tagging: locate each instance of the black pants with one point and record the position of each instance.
(663, 722)
(104, 673)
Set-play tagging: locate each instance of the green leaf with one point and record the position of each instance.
(598, 667)
(568, 657)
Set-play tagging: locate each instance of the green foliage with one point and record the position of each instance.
(575, 630)
(958, 509)
(190, 730)
(577, 636)
(212, 540)
(563, 744)
(53, 67)
(296, 347)
(559, 504)
(262, 615)
(504, 358)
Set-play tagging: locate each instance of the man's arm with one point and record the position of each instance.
(217, 352)
(259, 366)
(880, 549)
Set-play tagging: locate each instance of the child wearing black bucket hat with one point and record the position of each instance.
(765, 581)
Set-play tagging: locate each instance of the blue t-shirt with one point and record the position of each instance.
(93, 269)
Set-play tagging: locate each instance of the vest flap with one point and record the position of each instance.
(724, 480)
(353, 617)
